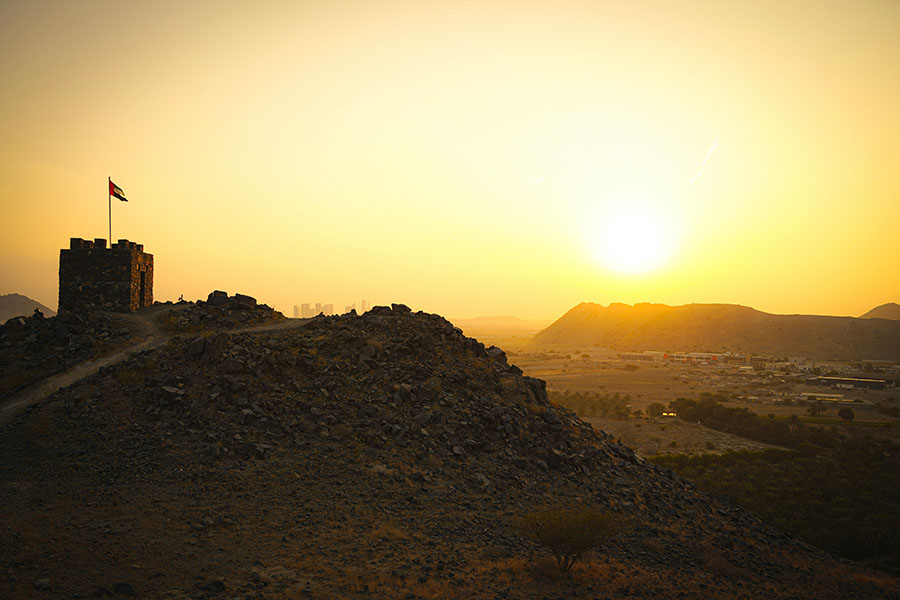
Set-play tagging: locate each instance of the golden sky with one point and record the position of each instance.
(467, 158)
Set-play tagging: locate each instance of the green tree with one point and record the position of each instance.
(846, 414)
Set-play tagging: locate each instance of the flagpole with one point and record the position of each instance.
(109, 187)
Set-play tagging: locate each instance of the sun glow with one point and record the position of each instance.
(632, 238)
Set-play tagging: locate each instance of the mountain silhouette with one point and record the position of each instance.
(891, 310)
(721, 328)
(15, 305)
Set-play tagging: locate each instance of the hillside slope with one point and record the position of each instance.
(374, 456)
(723, 327)
(17, 305)
(891, 310)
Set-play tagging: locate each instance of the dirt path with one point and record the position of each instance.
(150, 336)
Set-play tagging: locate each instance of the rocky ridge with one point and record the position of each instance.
(372, 456)
(219, 311)
(35, 346)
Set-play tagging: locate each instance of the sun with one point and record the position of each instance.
(631, 239)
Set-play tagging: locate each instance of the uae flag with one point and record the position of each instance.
(116, 191)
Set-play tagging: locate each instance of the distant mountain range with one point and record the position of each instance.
(891, 310)
(14, 305)
(724, 327)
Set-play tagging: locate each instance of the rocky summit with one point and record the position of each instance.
(35, 347)
(220, 311)
(376, 456)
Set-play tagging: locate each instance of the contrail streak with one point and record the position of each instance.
(709, 153)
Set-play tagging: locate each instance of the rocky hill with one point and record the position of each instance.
(17, 305)
(35, 347)
(723, 327)
(376, 456)
(891, 310)
(219, 312)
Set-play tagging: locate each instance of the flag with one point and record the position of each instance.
(116, 191)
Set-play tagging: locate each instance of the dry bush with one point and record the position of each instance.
(568, 534)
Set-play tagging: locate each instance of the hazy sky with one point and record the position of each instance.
(467, 158)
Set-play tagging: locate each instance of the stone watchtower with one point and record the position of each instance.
(94, 277)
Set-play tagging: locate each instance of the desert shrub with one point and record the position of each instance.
(568, 534)
(846, 414)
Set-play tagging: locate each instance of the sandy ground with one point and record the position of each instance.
(664, 436)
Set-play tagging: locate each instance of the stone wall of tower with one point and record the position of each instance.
(94, 277)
